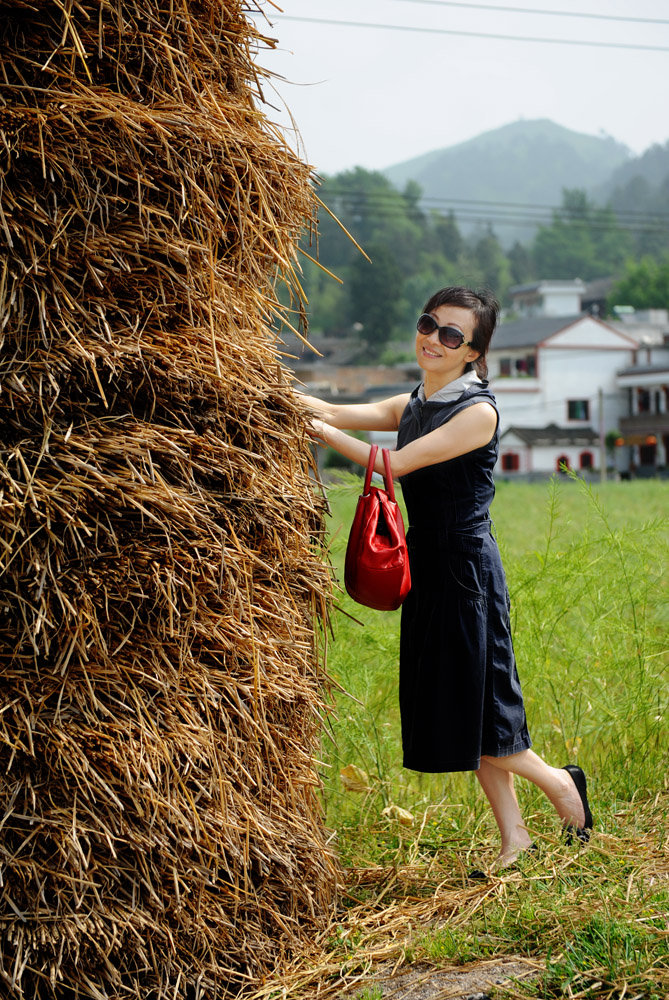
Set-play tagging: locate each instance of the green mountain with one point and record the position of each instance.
(494, 177)
(638, 191)
(652, 167)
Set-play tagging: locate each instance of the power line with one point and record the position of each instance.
(469, 210)
(498, 219)
(534, 10)
(524, 221)
(473, 34)
(395, 199)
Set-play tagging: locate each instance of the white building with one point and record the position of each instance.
(547, 298)
(548, 449)
(644, 441)
(555, 376)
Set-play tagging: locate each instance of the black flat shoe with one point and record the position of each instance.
(477, 875)
(582, 833)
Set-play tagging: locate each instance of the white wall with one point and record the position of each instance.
(573, 364)
(543, 459)
(549, 298)
(588, 332)
(579, 375)
(561, 302)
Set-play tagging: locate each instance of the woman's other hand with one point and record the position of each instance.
(316, 429)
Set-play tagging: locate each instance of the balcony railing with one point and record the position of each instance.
(645, 423)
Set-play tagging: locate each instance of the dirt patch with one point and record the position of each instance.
(424, 982)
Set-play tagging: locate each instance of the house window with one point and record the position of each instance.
(578, 409)
(510, 462)
(526, 365)
(585, 460)
(518, 367)
(643, 401)
(562, 463)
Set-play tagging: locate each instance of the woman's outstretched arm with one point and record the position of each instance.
(383, 415)
(468, 430)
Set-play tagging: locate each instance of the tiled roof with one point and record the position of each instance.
(655, 369)
(530, 332)
(552, 435)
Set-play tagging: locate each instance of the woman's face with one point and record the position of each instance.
(437, 360)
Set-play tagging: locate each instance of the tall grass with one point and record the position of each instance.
(586, 568)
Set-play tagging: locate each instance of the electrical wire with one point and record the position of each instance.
(396, 199)
(498, 218)
(394, 202)
(473, 34)
(518, 220)
(548, 13)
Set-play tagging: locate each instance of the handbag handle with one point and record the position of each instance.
(388, 477)
(370, 468)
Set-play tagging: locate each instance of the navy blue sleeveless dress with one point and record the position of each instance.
(460, 696)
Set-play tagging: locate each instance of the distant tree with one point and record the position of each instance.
(640, 199)
(373, 211)
(447, 236)
(375, 297)
(412, 195)
(653, 235)
(564, 249)
(492, 263)
(644, 285)
(635, 195)
(435, 272)
(375, 214)
(583, 241)
(327, 301)
(521, 264)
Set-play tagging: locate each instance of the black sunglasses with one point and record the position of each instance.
(449, 336)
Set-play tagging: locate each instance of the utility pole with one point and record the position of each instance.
(602, 443)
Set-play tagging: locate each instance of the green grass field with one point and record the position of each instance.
(586, 569)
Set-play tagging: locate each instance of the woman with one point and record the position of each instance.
(460, 698)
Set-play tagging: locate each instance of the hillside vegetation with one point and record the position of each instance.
(524, 163)
(480, 214)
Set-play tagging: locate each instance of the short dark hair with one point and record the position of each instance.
(485, 307)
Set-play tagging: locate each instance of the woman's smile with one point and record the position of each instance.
(442, 364)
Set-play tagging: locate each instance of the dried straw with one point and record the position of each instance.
(160, 575)
(376, 938)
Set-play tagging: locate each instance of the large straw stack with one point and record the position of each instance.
(161, 685)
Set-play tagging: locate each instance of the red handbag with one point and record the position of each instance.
(376, 570)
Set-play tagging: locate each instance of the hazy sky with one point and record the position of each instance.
(376, 96)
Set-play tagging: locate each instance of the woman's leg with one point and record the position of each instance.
(499, 790)
(555, 782)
